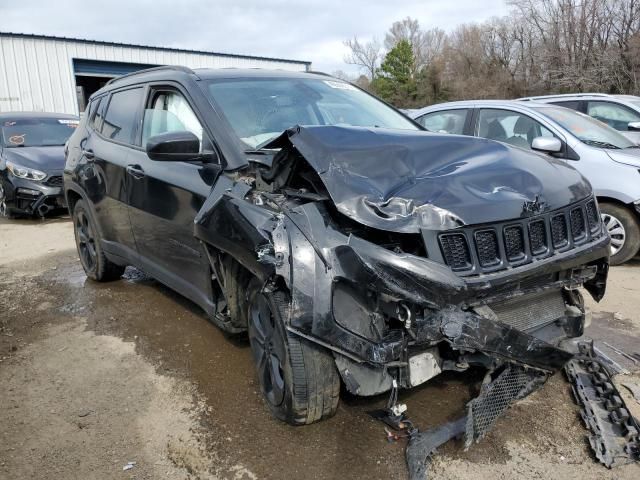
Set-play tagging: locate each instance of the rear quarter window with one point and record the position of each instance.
(572, 104)
(91, 113)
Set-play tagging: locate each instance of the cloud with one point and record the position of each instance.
(310, 30)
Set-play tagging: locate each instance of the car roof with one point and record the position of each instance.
(479, 103)
(176, 72)
(627, 97)
(16, 115)
(565, 96)
(581, 96)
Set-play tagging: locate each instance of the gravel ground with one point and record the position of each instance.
(95, 376)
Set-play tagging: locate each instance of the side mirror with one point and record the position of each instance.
(546, 144)
(633, 126)
(174, 147)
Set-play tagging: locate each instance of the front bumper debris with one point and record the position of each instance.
(499, 391)
(34, 198)
(615, 434)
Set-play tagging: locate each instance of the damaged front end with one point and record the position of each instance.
(407, 254)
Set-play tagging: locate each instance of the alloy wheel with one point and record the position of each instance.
(616, 232)
(267, 346)
(86, 241)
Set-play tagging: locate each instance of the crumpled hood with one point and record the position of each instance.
(629, 156)
(46, 159)
(405, 181)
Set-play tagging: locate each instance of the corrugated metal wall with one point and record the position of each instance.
(36, 73)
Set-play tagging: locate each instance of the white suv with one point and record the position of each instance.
(621, 112)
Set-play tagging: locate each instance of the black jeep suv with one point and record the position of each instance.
(350, 244)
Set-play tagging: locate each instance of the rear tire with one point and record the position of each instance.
(299, 380)
(624, 229)
(94, 262)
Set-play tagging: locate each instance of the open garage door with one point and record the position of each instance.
(91, 75)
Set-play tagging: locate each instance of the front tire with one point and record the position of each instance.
(299, 380)
(5, 211)
(94, 262)
(624, 230)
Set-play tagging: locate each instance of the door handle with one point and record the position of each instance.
(135, 171)
(88, 154)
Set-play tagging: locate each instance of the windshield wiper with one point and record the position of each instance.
(261, 151)
(597, 143)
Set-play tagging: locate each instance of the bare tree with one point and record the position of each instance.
(432, 46)
(542, 46)
(365, 55)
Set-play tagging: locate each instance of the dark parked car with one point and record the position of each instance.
(32, 160)
(352, 245)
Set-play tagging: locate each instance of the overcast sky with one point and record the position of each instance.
(310, 30)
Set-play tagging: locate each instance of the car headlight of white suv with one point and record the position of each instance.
(25, 172)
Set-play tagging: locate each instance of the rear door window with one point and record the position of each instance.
(615, 115)
(120, 117)
(446, 121)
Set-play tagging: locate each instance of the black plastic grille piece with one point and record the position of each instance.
(514, 243)
(559, 234)
(593, 217)
(487, 247)
(456, 251)
(55, 181)
(538, 237)
(578, 228)
(496, 397)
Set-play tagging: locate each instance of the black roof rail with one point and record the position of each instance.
(177, 68)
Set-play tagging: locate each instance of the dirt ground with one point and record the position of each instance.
(93, 376)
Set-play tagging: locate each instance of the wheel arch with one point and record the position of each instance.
(620, 203)
(73, 194)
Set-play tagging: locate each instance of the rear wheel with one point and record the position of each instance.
(624, 230)
(298, 379)
(92, 257)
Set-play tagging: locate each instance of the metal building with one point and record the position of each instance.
(57, 74)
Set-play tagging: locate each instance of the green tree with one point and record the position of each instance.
(399, 63)
(395, 81)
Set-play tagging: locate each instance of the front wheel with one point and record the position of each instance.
(298, 379)
(94, 262)
(623, 228)
(5, 211)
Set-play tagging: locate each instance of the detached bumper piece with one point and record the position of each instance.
(513, 383)
(495, 398)
(615, 436)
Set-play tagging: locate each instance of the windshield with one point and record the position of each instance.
(586, 129)
(260, 109)
(36, 132)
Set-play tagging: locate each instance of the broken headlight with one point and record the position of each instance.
(25, 172)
